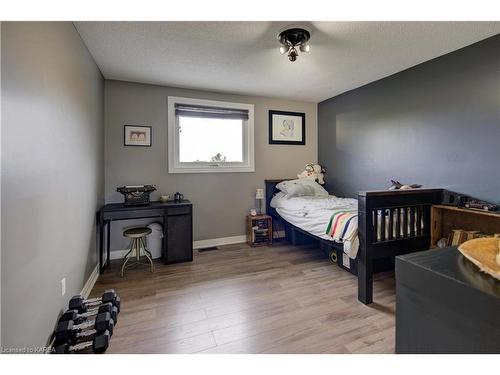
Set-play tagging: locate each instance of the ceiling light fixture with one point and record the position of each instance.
(294, 40)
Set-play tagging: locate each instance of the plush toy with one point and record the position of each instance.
(307, 172)
(320, 173)
(313, 172)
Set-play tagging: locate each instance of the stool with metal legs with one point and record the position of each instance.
(137, 236)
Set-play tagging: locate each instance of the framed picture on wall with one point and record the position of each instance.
(135, 135)
(287, 128)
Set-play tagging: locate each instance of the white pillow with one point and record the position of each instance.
(301, 187)
(318, 189)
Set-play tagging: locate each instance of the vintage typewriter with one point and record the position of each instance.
(137, 195)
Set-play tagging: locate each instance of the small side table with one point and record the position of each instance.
(259, 230)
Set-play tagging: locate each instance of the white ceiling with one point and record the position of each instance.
(243, 57)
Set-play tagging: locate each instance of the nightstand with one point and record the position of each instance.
(259, 230)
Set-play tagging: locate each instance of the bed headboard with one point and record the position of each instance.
(270, 192)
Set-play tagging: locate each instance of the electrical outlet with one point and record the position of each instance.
(63, 286)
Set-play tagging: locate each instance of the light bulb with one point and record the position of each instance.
(305, 48)
(283, 50)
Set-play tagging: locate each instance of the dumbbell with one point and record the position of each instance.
(82, 305)
(80, 318)
(68, 331)
(99, 344)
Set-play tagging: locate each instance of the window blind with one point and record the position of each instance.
(210, 112)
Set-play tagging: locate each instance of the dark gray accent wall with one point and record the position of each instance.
(437, 124)
(52, 155)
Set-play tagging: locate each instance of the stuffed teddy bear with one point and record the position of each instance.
(320, 173)
(307, 172)
(313, 172)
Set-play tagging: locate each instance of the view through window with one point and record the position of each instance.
(210, 140)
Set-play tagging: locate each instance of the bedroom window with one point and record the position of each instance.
(209, 136)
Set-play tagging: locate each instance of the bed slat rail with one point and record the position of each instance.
(391, 224)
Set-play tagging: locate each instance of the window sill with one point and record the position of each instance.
(242, 169)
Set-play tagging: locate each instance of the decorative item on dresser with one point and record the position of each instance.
(136, 195)
(259, 230)
(476, 204)
(484, 253)
(178, 197)
(164, 198)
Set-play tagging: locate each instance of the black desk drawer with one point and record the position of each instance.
(182, 210)
(179, 238)
(133, 214)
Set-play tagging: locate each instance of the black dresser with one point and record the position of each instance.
(445, 305)
(177, 218)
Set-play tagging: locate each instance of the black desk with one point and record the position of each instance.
(445, 305)
(177, 245)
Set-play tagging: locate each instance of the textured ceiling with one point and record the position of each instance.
(243, 57)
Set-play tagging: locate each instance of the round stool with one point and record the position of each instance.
(137, 236)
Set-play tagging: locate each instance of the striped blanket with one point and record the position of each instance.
(343, 227)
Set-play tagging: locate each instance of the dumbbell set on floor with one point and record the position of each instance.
(92, 319)
(68, 334)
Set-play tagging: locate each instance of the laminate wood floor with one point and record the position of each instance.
(238, 299)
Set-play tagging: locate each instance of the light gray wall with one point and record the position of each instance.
(52, 174)
(0, 185)
(437, 124)
(220, 200)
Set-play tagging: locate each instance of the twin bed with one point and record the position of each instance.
(361, 235)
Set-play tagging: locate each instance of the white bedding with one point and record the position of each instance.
(311, 213)
(308, 204)
(314, 223)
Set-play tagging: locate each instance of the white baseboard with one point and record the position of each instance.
(119, 254)
(219, 241)
(87, 288)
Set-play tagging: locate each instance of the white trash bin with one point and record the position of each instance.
(154, 240)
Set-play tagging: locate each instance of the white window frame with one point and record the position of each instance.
(174, 164)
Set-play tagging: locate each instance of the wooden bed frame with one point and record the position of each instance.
(374, 247)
